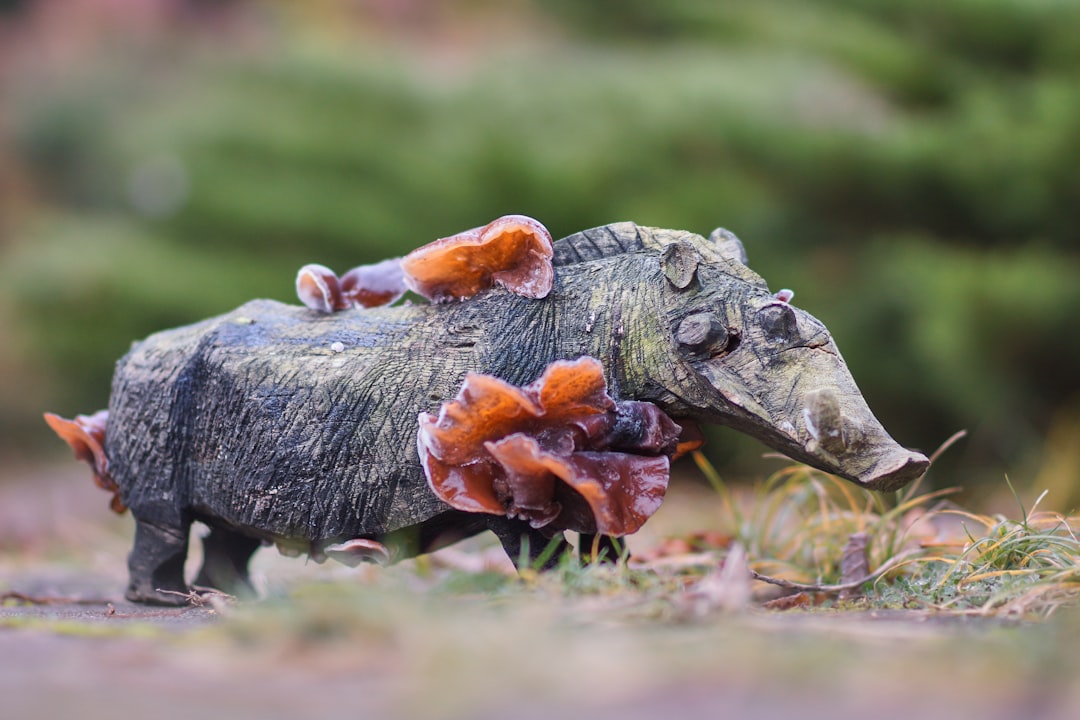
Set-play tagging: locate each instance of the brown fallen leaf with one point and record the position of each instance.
(854, 564)
(726, 588)
(790, 602)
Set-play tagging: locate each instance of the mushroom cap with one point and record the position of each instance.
(358, 550)
(320, 289)
(558, 452)
(514, 251)
(373, 285)
(86, 436)
(614, 492)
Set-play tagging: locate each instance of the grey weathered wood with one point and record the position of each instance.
(284, 424)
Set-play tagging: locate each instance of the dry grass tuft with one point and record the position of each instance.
(796, 525)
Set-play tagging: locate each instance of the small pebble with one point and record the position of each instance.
(337, 347)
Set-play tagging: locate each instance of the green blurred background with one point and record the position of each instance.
(911, 170)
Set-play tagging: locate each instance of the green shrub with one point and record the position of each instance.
(910, 170)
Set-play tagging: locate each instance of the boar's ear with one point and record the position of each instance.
(728, 245)
(680, 261)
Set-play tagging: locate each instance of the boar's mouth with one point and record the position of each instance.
(895, 471)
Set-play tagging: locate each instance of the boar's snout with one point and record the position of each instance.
(848, 439)
(772, 371)
(895, 471)
(797, 396)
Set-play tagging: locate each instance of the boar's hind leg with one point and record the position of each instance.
(156, 564)
(527, 546)
(225, 562)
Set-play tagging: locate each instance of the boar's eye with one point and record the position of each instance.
(704, 334)
(779, 322)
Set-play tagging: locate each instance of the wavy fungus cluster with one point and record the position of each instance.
(559, 452)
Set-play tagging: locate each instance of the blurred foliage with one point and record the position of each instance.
(911, 170)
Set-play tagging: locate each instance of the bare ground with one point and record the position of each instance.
(330, 642)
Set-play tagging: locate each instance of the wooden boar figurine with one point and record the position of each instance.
(545, 387)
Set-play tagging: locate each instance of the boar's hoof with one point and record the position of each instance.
(225, 562)
(156, 565)
(140, 592)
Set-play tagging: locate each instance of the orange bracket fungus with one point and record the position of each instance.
(514, 251)
(359, 550)
(560, 452)
(366, 286)
(86, 436)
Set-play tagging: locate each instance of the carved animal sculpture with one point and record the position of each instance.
(275, 423)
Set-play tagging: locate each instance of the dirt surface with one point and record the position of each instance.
(330, 642)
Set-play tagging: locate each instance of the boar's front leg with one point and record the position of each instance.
(225, 562)
(602, 549)
(527, 546)
(156, 563)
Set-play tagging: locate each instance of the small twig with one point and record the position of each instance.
(801, 587)
(203, 597)
(44, 600)
(198, 598)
